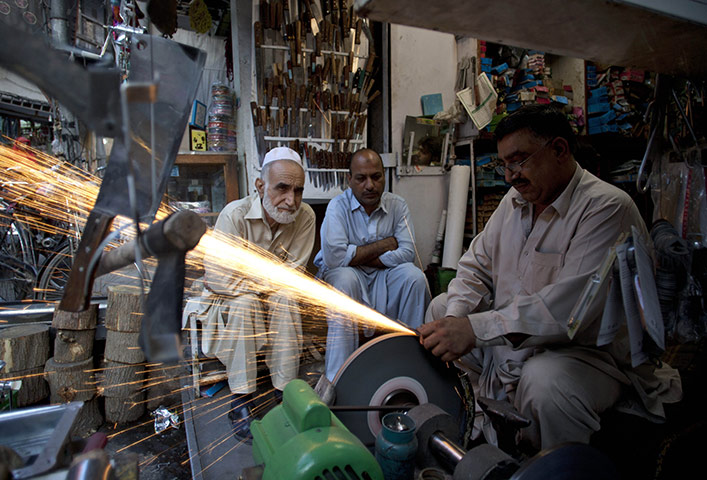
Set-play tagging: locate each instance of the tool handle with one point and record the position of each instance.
(258, 32)
(181, 231)
(77, 291)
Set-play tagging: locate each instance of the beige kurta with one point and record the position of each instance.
(240, 318)
(518, 277)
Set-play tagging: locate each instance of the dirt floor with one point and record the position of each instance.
(165, 455)
(160, 456)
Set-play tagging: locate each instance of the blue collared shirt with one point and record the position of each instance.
(347, 226)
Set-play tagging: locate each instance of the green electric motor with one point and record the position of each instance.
(302, 439)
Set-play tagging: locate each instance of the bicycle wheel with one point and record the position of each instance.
(55, 275)
(17, 272)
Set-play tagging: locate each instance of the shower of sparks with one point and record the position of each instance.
(55, 198)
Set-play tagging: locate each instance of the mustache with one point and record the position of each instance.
(519, 181)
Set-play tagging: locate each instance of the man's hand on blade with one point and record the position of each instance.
(448, 338)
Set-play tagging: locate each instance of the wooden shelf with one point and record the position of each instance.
(204, 158)
(229, 161)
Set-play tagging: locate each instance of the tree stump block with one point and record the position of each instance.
(163, 385)
(124, 309)
(89, 419)
(70, 381)
(34, 388)
(85, 320)
(123, 347)
(71, 346)
(121, 380)
(24, 347)
(124, 410)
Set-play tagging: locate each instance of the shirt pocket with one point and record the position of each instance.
(543, 270)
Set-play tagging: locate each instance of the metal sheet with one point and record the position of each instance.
(38, 435)
(176, 70)
(393, 369)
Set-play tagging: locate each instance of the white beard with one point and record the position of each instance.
(278, 215)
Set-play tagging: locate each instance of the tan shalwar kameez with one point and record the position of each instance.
(239, 318)
(522, 278)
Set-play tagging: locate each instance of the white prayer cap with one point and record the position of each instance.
(282, 153)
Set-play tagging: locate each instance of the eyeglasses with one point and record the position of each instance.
(515, 167)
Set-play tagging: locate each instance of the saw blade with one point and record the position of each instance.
(394, 369)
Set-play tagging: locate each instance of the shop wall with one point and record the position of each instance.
(421, 62)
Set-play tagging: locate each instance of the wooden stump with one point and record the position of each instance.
(123, 410)
(85, 320)
(89, 419)
(34, 388)
(70, 381)
(121, 380)
(124, 309)
(71, 346)
(24, 347)
(164, 386)
(123, 347)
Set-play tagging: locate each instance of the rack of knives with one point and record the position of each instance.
(314, 80)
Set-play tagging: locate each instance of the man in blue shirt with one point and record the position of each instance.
(368, 253)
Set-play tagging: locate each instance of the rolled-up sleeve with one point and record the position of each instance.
(472, 288)
(336, 249)
(543, 314)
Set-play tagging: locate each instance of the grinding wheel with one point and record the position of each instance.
(394, 369)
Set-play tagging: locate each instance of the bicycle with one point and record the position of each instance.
(18, 272)
(33, 265)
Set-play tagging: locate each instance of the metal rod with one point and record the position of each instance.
(370, 408)
(447, 451)
(26, 310)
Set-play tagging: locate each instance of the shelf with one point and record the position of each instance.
(204, 158)
(226, 160)
(304, 110)
(309, 50)
(309, 140)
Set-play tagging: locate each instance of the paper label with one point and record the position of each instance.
(480, 114)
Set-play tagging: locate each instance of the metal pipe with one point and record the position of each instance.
(447, 451)
(28, 310)
(59, 22)
(370, 408)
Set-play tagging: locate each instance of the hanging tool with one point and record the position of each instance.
(169, 240)
(163, 108)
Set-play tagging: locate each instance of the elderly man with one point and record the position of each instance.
(506, 312)
(240, 318)
(368, 253)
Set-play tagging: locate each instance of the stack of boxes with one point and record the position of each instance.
(486, 204)
(486, 177)
(617, 99)
(531, 83)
